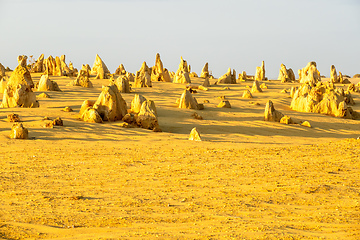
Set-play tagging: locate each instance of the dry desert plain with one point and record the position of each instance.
(247, 179)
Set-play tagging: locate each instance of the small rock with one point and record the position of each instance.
(194, 135)
(58, 122)
(226, 88)
(306, 124)
(284, 91)
(206, 101)
(197, 116)
(44, 95)
(19, 132)
(68, 109)
(286, 120)
(13, 117)
(224, 104)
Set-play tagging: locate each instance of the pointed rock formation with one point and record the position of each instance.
(260, 72)
(130, 76)
(82, 80)
(123, 84)
(228, 78)
(99, 68)
(91, 115)
(147, 117)
(247, 94)
(205, 71)
(271, 114)
(242, 76)
(159, 73)
(3, 84)
(333, 74)
(206, 83)
(182, 75)
(110, 105)
(309, 74)
(2, 71)
(45, 84)
(194, 135)
(18, 92)
(143, 77)
(188, 101)
(224, 104)
(256, 87)
(286, 75)
(286, 120)
(120, 70)
(39, 65)
(136, 103)
(19, 132)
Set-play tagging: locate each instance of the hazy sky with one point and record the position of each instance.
(226, 33)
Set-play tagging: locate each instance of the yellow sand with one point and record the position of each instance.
(247, 179)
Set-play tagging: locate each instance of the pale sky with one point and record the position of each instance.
(226, 33)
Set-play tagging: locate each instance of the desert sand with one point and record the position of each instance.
(247, 179)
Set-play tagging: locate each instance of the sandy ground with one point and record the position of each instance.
(247, 179)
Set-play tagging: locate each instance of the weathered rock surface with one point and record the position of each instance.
(182, 75)
(256, 87)
(82, 80)
(260, 72)
(159, 73)
(286, 75)
(194, 135)
(228, 78)
(18, 92)
(120, 70)
(45, 84)
(19, 132)
(143, 77)
(188, 101)
(324, 100)
(309, 74)
(99, 68)
(123, 84)
(247, 94)
(205, 71)
(271, 114)
(137, 102)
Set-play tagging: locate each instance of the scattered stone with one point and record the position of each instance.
(284, 91)
(224, 104)
(247, 94)
(58, 122)
(126, 125)
(44, 95)
(49, 125)
(197, 116)
(256, 87)
(19, 132)
(271, 114)
(13, 117)
(306, 124)
(68, 109)
(351, 88)
(286, 120)
(206, 101)
(242, 76)
(263, 86)
(226, 88)
(194, 135)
